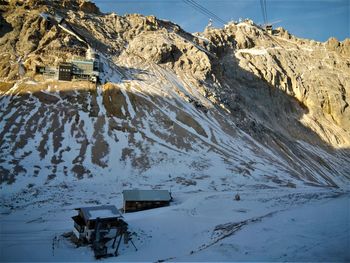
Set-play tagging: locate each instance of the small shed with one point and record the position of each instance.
(137, 200)
(108, 217)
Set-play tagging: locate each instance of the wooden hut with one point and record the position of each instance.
(137, 200)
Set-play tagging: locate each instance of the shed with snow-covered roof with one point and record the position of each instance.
(137, 200)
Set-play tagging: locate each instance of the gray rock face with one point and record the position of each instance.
(157, 49)
(316, 74)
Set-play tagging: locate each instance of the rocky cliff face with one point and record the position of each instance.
(229, 106)
(315, 74)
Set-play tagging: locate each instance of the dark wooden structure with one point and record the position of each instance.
(65, 71)
(137, 200)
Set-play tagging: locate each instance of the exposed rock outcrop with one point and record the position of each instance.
(316, 74)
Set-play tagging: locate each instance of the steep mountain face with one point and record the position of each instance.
(315, 74)
(231, 106)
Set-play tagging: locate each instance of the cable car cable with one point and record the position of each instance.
(204, 11)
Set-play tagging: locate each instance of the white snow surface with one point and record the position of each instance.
(103, 213)
(273, 224)
(253, 51)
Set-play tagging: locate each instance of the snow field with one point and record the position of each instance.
(305, 224)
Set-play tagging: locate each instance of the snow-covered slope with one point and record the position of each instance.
(150, 124)
(304, 224)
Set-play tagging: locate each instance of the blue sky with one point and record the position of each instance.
(313, 19)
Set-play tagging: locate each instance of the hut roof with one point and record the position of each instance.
(103, 212)
(146, 195)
